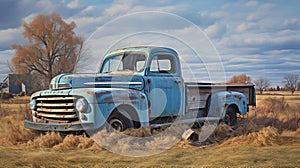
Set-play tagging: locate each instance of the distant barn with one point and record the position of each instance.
(15, 84)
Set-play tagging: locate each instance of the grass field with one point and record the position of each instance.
(291, 99)
(229, 156)
(268, 137)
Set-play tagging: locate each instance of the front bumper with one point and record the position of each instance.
(65, 127)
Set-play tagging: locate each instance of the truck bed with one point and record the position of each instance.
(197, 93)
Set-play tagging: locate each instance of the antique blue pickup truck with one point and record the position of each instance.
(136, 86)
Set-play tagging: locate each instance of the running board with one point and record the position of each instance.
(186, 121)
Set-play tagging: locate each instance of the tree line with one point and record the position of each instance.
(290, 81)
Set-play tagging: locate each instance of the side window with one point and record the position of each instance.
(162, 64)
(154, 65)
(140, 65)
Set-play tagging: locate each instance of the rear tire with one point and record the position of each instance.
(119, 121)
(231, 116)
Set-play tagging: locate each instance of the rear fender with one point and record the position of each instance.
(218, 102)
(237, 99)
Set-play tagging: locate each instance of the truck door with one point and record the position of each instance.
(165, 86)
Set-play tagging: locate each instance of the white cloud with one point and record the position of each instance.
(30, 17)
(5, 57)
(251, 3)
(216, 30)
(208, 17)
(73, 4)
(291, 23)
(260, 13)
(46, 5)
(218, 14)
(9, 36)
(118, 7)
(7, 54)
(287, 32)
(245, 26)
(88, 9)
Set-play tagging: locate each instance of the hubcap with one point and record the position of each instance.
(116, 124)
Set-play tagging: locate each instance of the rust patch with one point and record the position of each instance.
(89, 92)
(133, 95)
(108, 99)
(237, 97)
(100, 94)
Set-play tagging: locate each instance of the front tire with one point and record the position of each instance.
(119, 121)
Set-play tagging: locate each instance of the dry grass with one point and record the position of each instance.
(49, 140)
(140, 142)
(12, 114)
(291, 99)
(267, 136)
(13, 132)
(277, 111)
(72, 142)
(274, 124)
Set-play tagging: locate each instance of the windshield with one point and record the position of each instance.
(132, 62)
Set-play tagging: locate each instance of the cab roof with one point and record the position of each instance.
(146, 49)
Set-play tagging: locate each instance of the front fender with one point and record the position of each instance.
(106, 100)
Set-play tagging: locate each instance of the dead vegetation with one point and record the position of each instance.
(49, 140)
(278, 113)
(267, 136)
(73, 142)
(140, 142)
(262, 127)
(13, 132)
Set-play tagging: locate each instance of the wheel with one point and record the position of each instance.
(230, 116)
(119, 121)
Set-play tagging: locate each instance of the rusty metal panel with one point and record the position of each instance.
(55, 98)
(196, 97)
(57, 115)
(56, 110)
(56, 104)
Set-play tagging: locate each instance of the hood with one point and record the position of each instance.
(68, 81)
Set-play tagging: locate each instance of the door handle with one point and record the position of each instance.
(177, 81)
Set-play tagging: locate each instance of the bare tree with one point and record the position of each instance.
(52, 48)
(290, 81)
(262, 83)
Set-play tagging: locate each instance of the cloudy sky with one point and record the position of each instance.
(259, 38)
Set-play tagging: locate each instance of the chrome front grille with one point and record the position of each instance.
(56, 109)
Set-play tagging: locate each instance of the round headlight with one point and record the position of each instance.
(81, 105)
(32, 104)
